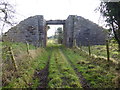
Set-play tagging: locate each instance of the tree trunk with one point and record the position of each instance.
(107, 48)
(116, 36)
(119, 47)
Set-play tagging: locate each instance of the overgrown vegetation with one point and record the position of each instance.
(63, 68)
(61, 74)
(100, 50)
(99, 73)
(26, 65)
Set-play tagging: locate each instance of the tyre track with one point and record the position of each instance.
(82, 80)
(43, 75)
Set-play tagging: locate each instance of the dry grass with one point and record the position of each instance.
(116, 81)
(12, 78)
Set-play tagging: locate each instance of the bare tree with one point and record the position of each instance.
(7, 12)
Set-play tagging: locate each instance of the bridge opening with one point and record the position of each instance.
(56, 31)
(55, 34)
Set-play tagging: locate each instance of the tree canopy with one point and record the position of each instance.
(111, 12)
(59, 35)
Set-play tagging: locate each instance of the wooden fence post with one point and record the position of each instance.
(13, 58)
(74, 43)
(28, 52)
(107, 48)
(27, 44)
(89, 49)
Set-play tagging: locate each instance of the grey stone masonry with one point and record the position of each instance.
(30, 30)
(55, 22)
(34, 31)
(83, 31)
(69, 31)
(87, 32)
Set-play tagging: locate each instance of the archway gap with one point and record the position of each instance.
(51, 32)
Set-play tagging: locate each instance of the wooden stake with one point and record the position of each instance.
(89, 48)
(27, 44)
(75, 43)
(107, 48)
(13, 58)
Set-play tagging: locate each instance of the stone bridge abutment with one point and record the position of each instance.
(33, 30)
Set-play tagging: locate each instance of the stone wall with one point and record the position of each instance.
(69, 31)
(83, 31)
(87, 31)
(31, 30)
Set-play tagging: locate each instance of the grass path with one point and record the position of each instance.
(43, 75)
(70, 69)
(99, 73)
(57, 67)
(61, 74)
(82, 80)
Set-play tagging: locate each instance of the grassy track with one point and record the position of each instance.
(56, 67)
(61, 74)
(98, 73)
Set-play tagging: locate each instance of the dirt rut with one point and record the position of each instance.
(43, 75)
(83, 81)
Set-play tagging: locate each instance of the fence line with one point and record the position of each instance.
(95, 56)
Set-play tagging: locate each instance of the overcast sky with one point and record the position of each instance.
(56, 9)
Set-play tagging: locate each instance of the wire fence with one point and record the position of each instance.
(108, 51)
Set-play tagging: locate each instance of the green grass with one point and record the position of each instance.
(96, 72)
(40, 64)
(26, 65)
(99, 73)
(100, 50)
(61, 74)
